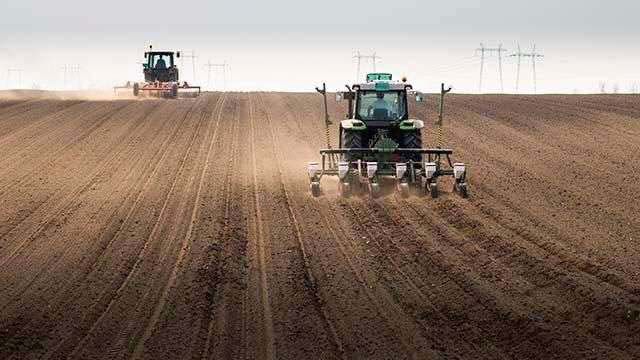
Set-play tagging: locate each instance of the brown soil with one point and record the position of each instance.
(167, 229)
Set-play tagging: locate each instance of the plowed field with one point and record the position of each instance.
(184, 229)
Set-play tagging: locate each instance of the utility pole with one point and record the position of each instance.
(64, 77)
(358, 57)
(193, 57)
(71, 74)
(75, 72)
(519, 55)
(210, 66)
(602, 85)
(534, 56)
(483, 52)
(14, 71)
(374, 59)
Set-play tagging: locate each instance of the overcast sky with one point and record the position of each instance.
(291, 45)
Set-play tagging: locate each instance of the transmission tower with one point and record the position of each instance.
(534, 56)
(602, 86)
(489, 51)
(18, 72)
(193, 57)
(210, 67)
(71, 74)
(374, 59)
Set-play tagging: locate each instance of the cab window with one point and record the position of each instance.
(376, 105)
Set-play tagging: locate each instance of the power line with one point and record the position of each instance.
(193, 57)
(210, 66)
(71, 73)
(374, 59)
(485, 50)
(534, 56)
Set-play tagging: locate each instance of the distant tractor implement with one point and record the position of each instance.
(161, 77)
(379, 143)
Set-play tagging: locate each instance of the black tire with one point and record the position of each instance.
(464, 190)
(412, 140)
(433, 190)
(315, 189)
(174, 91)
(351, 140)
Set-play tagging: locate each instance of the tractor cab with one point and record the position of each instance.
(381, 105)
(379, 101)
(160, 66)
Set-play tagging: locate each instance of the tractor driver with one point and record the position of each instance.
(160, 64)
(381, 104)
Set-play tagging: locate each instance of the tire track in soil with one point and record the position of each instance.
(568, 278)
(383, 342)
(378, 229)
(569, 260)
(190, 302)
(51, 157)
(395, 329)
(151, 168)
(152, 235)
(62, 203)
(510, 311)
(75, 128)
(592, 217)
(529, 212)
(492, 276)
(139, 347)
(268, 343)
(310, 281)
(108, 165)
(228, 246)
(28, 115)
(164, 150)
(34, 205)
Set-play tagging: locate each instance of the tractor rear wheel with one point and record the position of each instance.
(351, 140)
(315, 189)
(464, 190)
(174, 91)
(412, 140)
(433, 190)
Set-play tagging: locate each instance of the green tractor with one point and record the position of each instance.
(380, 142)
(161, 77)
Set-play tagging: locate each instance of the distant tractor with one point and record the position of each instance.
(161, 77)
(379, 141)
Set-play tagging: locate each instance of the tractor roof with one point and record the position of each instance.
(383, 82)
(383, 86)
(160, 52)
